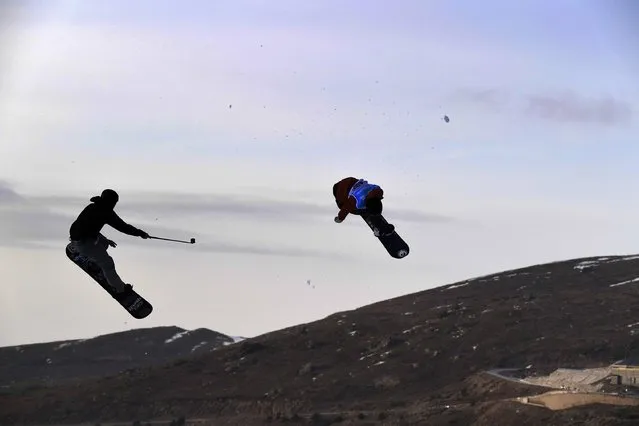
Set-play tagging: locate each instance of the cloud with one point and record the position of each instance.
(24, 223)
(495, 99)
(12, 10)
(43, 221)
(569, 107)
(8, 196)
(35, 221)
(220, 247)
(565, 107)
(250, 207)
(30, 222)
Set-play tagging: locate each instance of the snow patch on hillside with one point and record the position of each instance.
(484, 279)
(177, 336)
(634, 280)
(69, 343)
(456, 286)
(586, 264)
(236, 339)
(592, 263)
(199, 345)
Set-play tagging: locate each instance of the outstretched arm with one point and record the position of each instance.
(116, 222)
(345, 209)
(341, 215)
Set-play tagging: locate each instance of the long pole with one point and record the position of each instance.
(177, 241)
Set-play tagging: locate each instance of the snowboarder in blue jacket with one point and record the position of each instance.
(356, 196)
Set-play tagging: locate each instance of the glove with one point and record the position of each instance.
(338, 220)
(143, 234)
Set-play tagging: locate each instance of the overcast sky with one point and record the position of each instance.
(230, 121)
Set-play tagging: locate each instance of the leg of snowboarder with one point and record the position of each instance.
(96, 250)
(356, 196)
(86, 238)
(374, 206)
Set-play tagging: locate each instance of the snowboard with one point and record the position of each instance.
(135, 304)
(393, 243)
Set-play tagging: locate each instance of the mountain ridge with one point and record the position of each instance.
(420, 358)
(69, 360)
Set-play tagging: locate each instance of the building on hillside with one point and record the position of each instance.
(625, 372)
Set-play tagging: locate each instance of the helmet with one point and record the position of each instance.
(108, 198)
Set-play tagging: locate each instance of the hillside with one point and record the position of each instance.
(53, 362)
(416, 359)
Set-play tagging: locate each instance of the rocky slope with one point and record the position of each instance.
(53, 362)
(415, 359)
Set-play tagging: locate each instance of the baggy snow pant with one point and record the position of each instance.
(96, 250)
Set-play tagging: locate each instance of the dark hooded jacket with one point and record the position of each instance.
(97, 214)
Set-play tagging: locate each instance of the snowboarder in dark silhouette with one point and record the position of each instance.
(86, 238)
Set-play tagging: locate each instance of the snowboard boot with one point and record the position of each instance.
(384, 231)
(127, 290)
